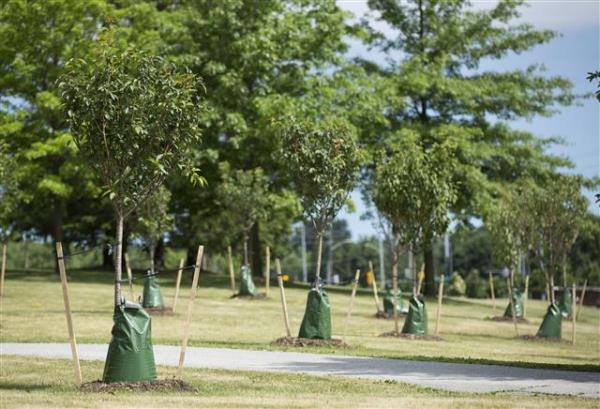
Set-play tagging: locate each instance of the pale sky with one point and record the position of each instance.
(572, 55)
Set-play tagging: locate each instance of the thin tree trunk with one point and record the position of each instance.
(319, 254)
(428, 259)
(395, 258)
(256, 250)
(152, 251)
(245, 249)
(118, 258)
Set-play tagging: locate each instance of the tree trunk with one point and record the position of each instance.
(152, 252)
(245, 249)
(159, 254)
(256, 251)
(118, 259)
(429, 261)
(395, 259)
(107, 258)
(57, 230)
(319, 254)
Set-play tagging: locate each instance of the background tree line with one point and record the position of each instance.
(263, 60)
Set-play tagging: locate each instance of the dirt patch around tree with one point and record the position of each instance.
(502, 318)
(385, 316)
(261, 296)
(167, 311)
(425, 337)
(158, 385)
(307, 342)
(542, 339)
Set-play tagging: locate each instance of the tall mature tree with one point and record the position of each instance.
(252, 54)
(37, 40)
(8, 191)
(133, 118)
(323, 161)
(413, 190)
(436, 50)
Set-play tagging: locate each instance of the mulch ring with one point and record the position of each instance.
(160, 311)
(260, 296)
(158, 385)
(425, 337)
(541, 339)
(385, 316)
(307, 342)
(502, 318)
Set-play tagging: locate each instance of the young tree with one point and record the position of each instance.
(153, 219)
(9, 191)
(323, 161)
(447, 96)
(243, 195)
(132, 117)
(413, 189)
(560, 209)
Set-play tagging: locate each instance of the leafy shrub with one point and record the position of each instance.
(457, 285)
(477, 287)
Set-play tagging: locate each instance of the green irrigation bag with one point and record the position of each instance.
(246, 284)
(518, 302)
(130, 356)
(566, 300)
(416, 320)
(388, 302)
(316, 323)
(551, 325)
(152, 296)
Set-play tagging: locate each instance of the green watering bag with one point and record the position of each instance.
(416, 320)
(246, 284)
(130, 356)
(317, 316)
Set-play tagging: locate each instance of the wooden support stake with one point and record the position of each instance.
(65, 291)
(492, 292)
(186, 329)
(439, 306)
(581, 300)
(231, 273)
(374, 285)
(512, 305)
(129, 276)
(526, 296)
(178, 282)
(573, 307)
(3, 270)
(421, 276)
(354, 287)
(268, 272)
(282, 295)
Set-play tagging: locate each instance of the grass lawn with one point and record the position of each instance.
(32, 311)
(21, 386)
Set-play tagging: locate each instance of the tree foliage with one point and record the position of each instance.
(133, 118)
(413, 189)
(323, 161)
(153, 219)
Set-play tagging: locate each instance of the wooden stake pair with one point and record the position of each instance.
(178, 283)
(267, 271)
(581, 299)
(573, 313)
(231, 273)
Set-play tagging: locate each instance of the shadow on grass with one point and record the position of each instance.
(23, 386)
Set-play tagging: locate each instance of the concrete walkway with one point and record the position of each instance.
(447, 376)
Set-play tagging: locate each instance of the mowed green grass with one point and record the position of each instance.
(32, 311)
(47, 383)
